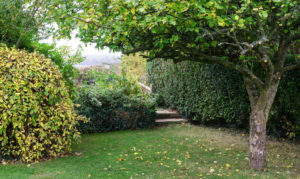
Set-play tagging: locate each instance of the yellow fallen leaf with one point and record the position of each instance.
(122, 168)
(228, 165)
(121, 159)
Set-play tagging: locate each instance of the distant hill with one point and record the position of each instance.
(95, 60)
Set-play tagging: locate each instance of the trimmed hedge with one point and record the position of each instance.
(215, 95)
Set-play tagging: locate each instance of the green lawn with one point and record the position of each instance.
(176, 151)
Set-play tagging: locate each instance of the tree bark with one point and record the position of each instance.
(261, 101)
(257, 150)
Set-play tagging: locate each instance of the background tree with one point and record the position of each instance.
(21, 20)
(251, 37)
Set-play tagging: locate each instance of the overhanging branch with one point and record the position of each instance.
(219, 60)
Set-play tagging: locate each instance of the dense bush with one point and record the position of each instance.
(112, 102)
(214, 95)
(37, 118)
(110, 110)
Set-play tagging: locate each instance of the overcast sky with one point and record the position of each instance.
(93, 55)
(75, 42)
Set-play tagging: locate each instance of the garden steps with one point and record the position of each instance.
(169, 116)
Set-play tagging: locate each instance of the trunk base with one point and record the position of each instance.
(257, 162)
(257, 153)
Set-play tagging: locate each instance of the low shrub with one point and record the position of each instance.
(107, 79)
(37, 117)
(113, 109)
(112, 102)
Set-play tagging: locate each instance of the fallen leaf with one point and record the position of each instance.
(78, 153)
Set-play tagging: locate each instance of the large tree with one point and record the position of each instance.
(252, 37)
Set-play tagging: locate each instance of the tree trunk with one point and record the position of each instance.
(261, 103)
(257, 151)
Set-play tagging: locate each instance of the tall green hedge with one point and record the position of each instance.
(214, 95)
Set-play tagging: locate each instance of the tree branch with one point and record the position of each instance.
(291, 67)
(135, 50)
(90, 22)
(219, 60)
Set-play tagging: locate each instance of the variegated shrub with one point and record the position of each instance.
(37, 118)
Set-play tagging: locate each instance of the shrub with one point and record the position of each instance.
(113, 102)
(106, 79)
(213, 95)
(37, 118)
(112, 109)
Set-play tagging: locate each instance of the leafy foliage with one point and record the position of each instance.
(214, 95)
(21, 21)
(113, 103)
(12, 21)
(134, 67)
(37, 118)
(106, 79)
(110, 110)
(64, 59)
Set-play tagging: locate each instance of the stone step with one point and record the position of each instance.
(171, 120)
(167, 114)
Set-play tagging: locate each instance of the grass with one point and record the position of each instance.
(176, 151)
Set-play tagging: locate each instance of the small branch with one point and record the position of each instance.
(262, 40)
(135, 50)
(293, 38)
(291, 67)
(237, 42)
(261, 27)
(90, 22)
(212, 34)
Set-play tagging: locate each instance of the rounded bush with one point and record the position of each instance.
(37, 118)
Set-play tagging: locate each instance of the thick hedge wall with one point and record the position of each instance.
(214, 95)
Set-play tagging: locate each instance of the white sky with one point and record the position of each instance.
(87, 49)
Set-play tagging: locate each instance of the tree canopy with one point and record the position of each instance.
(228, 32)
